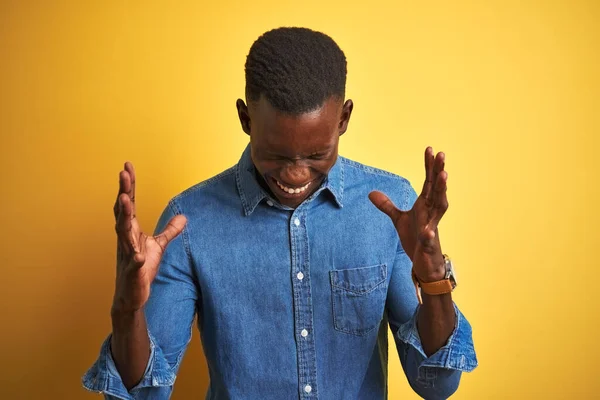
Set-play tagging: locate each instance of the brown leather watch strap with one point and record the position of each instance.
(431, 288)
(436, 288)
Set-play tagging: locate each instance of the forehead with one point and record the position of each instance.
(307, 132)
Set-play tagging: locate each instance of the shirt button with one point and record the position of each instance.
(270, 203)
(300, 275)
(297, 222)
(304, 333)
(307, 388)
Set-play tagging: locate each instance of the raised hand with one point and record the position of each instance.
(138, 255)
(418, 227)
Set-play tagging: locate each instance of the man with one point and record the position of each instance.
(293, 272)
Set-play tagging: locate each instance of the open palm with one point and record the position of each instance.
(418, 227)
(138, 254)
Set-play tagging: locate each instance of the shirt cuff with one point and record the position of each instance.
(103, 376)
(458, 353)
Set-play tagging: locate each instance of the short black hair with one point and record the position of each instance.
(296, 69)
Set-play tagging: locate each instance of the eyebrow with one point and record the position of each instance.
(316, 152)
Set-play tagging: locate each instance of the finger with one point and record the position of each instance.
(439, 163)
(124, 226)
(429, 160)
(173, 228)
(384, 204)
(129, 168)
(124, 187)
(437, 167)
(440, 200)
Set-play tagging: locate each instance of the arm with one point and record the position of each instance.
(436, 321)
(432, 329)
(167, 316)
(130, 345)
(436, 375)
(150, 331)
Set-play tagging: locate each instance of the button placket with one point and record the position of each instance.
(303, 308)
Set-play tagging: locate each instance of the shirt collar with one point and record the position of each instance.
(251, 193)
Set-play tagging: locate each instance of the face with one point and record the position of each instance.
(294, 153)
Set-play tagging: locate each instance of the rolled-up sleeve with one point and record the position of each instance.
(170, 313)
(104, 378)
(436, 376)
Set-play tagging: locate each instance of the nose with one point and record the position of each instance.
(295, 174)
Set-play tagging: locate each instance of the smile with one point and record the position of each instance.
(292, 190)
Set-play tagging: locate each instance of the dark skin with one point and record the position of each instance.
(283, 149)
(295, 151)
(291, 153)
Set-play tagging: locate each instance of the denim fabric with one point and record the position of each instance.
(291, 304)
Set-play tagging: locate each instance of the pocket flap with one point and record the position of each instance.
(359, 280)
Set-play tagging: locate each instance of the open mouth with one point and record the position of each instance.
(292, 191)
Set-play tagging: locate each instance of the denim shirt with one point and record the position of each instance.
(291, 303)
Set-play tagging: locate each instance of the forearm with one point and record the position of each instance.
(130, 345)
(435, 322)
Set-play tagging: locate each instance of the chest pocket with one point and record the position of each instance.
(358, 297)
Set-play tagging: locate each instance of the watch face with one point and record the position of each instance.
(453, 276)
(450, 272)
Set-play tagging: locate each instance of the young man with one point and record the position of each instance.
(292, 270)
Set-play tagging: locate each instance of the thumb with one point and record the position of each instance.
(384, 204)
(173, 228)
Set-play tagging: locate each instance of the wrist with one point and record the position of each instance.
(122, 312)
(433, 282)
(430, 274)
(125, 322)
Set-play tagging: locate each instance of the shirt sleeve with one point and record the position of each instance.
(104, 378)
(436, 376)
(170, 313)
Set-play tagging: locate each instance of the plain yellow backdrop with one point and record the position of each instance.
(508, 89)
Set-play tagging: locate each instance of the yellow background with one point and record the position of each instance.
(508, 89)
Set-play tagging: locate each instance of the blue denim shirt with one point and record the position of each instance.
(291, 303)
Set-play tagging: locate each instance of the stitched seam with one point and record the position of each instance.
(186, 245)
(339, 327)
(207, 182)
(240, 190)
(334, 280)
(186, 240)
(366, 291)
(371, 170)
(451, 339)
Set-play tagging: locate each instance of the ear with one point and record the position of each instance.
(243, 115)
(345, 117)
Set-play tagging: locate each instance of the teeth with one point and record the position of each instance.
(293, 191)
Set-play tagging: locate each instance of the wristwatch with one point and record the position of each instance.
(446, 285)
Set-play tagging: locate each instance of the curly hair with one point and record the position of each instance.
(296, 69)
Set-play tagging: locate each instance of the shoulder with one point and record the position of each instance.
(219, 188)
(369, 171)
(361, 179)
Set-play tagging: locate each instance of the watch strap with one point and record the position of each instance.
(432, 288)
